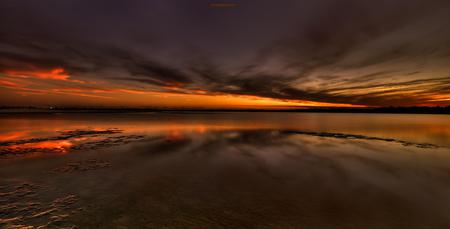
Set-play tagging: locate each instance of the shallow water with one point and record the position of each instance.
(225, 170)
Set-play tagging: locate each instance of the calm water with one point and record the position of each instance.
(225, 170)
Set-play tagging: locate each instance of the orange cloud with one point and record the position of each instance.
(167, 96)
(53, 74)
(6, 83)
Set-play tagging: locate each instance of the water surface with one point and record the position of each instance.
(225, 170)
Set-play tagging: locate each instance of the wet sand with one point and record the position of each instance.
(217, 171)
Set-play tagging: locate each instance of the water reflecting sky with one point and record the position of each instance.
(222, 170)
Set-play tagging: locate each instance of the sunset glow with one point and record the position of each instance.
(169, 96)
(52, 74)
(225, 114)
(331, 59)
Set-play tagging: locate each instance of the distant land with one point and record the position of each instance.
(391, 110)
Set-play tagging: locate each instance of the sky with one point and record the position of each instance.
(225, 54)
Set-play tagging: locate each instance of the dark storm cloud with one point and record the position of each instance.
(19, 53)
(157, 73)
(299, 50)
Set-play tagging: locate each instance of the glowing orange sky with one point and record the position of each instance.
(37, 87)
(56, 87)
(223, 55)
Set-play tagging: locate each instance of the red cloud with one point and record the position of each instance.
(6, 83)
(53, 74)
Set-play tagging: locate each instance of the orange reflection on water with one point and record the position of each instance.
(60, 146)
(175, 135)
(63, 145)
(434, 129)
(201, 129)
(13, 135)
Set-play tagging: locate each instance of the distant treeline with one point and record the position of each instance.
(394, 110)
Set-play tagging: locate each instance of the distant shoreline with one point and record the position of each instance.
(383, 110)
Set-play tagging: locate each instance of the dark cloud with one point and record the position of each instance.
(324, 51)
(158, 73)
